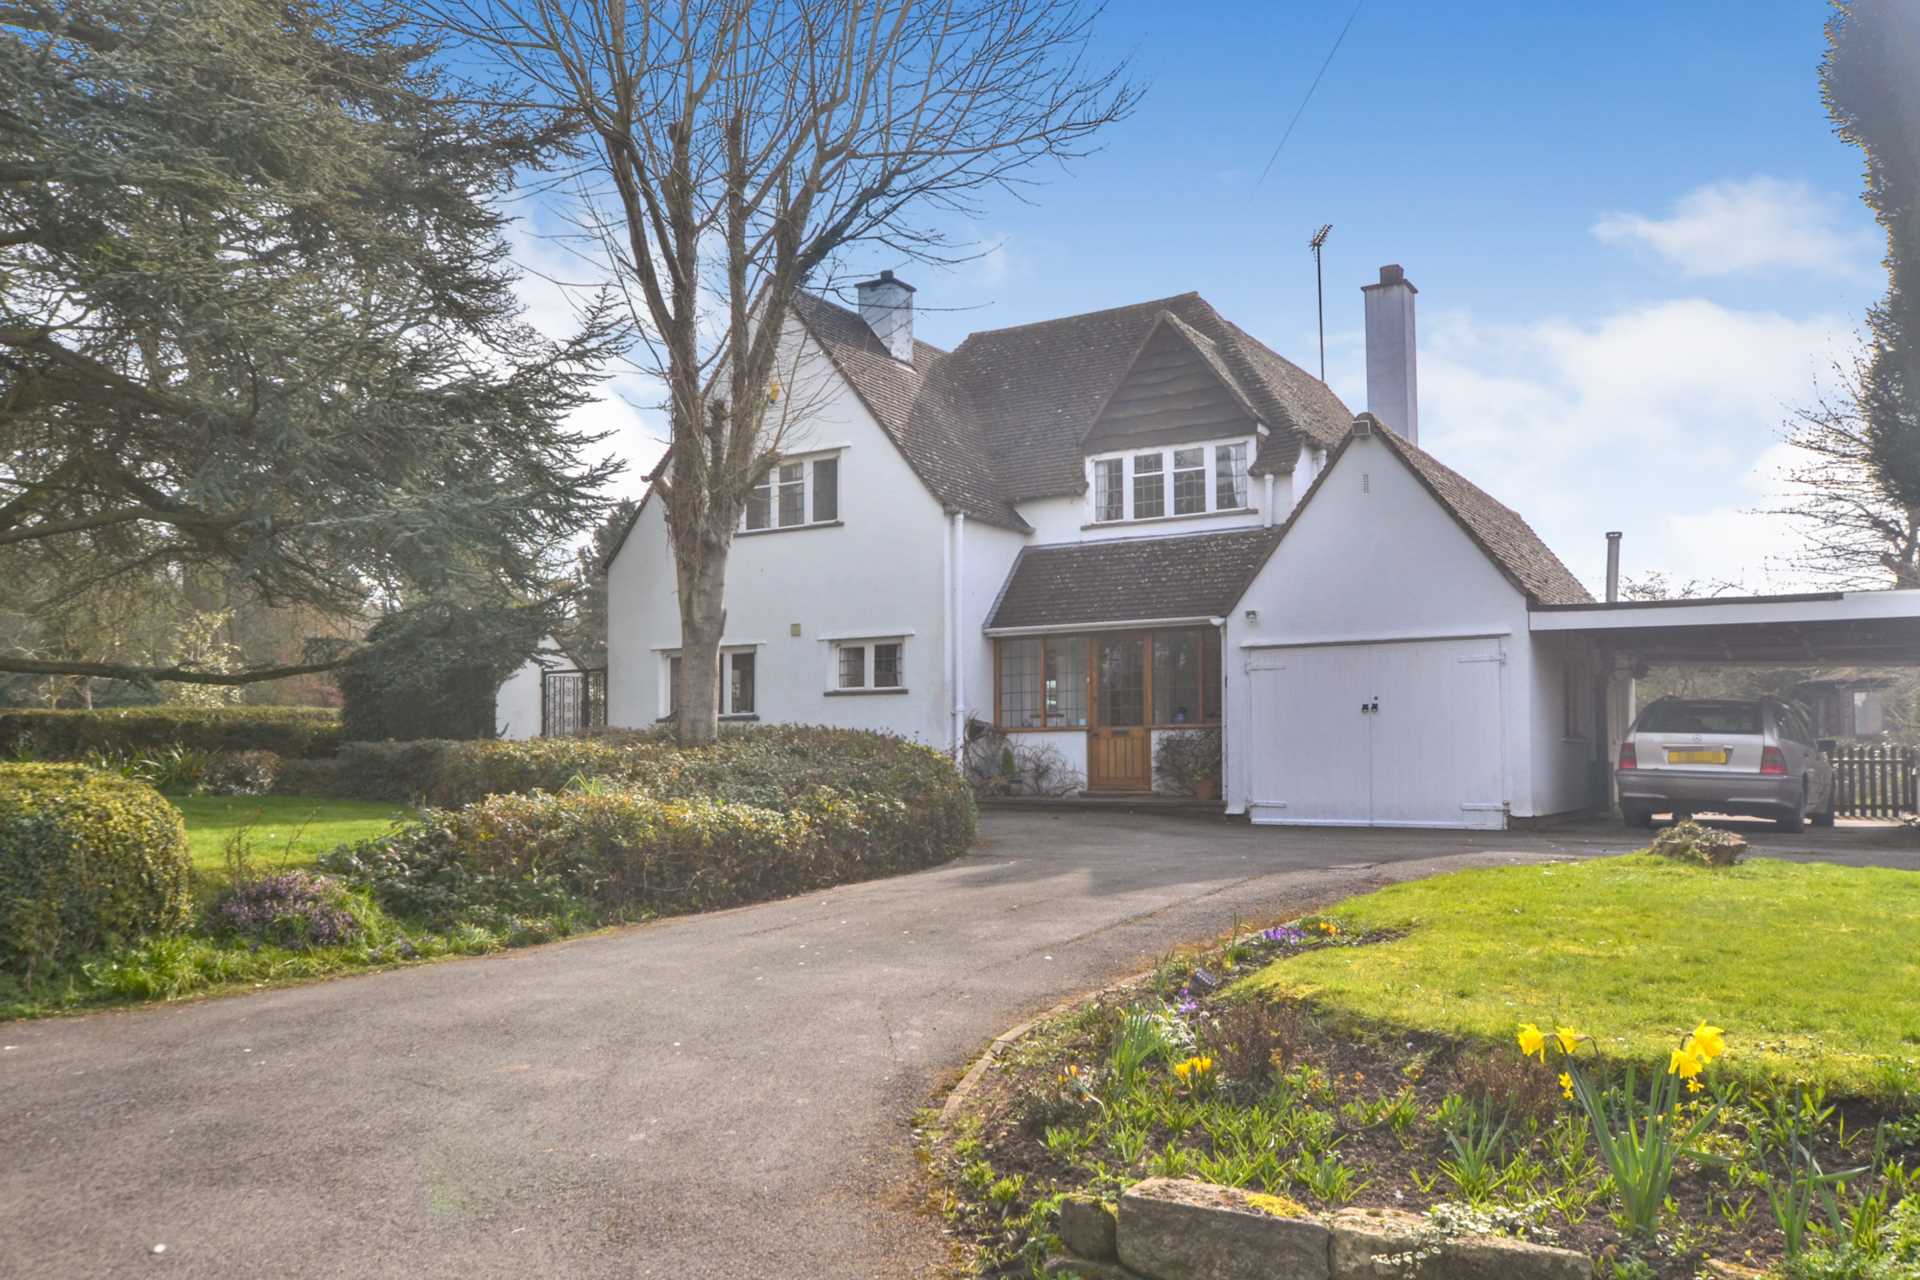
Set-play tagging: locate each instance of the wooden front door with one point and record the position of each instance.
(1119, 744)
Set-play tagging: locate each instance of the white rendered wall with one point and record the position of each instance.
(989, 557)
(516, 708)
(1374, 557)
(876, 574)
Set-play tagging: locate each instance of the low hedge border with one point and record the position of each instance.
(292, 732)
(653, 829)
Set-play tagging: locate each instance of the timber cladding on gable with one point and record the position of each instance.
(1177, 388)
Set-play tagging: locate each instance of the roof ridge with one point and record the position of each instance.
(1085, 315)
(1150, 537)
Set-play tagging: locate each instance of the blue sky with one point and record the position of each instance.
(1637, 242)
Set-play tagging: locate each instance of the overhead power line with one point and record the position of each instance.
(1301, 110)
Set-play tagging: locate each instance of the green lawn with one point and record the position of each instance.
(283, 831)
(1812, 969)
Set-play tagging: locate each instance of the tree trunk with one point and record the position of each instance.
(702, 570)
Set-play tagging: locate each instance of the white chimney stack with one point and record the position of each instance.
(886, 305)
(1393, 383)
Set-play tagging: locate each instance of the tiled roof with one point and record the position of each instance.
(1000, 419)
(920, 405)
(1195, 575)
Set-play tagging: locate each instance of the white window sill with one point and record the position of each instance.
(789, 528)
(863, 693)
(1192, 515)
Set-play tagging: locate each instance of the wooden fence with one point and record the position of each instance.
(1876, 781)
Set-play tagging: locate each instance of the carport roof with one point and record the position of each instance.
(1825, 628)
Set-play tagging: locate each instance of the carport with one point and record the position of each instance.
(1812, 629)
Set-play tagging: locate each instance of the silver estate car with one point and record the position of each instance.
(1698, 755)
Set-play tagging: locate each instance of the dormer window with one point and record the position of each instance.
(1183, 480)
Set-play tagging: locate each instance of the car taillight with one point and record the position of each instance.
(1629, 759)
(1772, 760)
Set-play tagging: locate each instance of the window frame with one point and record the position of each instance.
(1214, 469)
(838, 649)
(723, 684)
(1212, 686)
(769, 494)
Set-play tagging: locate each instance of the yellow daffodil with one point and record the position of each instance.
(1183, 1070)
(1566, 1085)
(1532, 1042)
(1707, 1042)
(1693, 1086)
(1685, 1064)
(1569, 1039)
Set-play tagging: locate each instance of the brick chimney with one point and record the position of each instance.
(886, 304)
(1393, 383)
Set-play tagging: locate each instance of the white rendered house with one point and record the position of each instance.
(1090, 532)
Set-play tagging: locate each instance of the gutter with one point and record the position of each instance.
(1132, 624)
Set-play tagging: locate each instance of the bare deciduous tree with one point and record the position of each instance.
(739, 149)
(1859, 533)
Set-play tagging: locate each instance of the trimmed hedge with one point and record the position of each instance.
(641, 827)
(87, 860)
(292, 732)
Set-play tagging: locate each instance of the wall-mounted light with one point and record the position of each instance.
(1253, 615)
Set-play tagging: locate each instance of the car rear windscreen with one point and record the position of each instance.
(1701, 717)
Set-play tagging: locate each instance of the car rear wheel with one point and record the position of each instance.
(1796, 820)
(1827, 816)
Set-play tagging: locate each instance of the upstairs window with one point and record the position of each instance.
(1149, 486)
(1190, 480)
(1230, 476)
(1109, 489)
(794, 494)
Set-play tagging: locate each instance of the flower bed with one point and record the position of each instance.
(1196, 1074)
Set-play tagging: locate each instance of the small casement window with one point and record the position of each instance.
(734, 694)
(1149, 486)
(1229, 477)
(876, 664)
(1043, 682)
(1109, 492)
(739, 701)
(792, 494)
(1189, 481)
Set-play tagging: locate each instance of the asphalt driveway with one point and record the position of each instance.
(720, 1095)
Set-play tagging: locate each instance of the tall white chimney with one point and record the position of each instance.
(1393, 382)
(886, 304)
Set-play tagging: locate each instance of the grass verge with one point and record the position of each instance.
(1815, 964)
(284, 832)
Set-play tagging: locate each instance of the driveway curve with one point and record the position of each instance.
(711, 1096)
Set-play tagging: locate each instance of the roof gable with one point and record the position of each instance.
(1176, 387)
(1498, 531)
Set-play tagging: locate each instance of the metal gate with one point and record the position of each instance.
(1876, 781)
(573, 702)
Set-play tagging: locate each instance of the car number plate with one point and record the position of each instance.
(1716, 756)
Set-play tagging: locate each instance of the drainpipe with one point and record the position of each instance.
(956, 627)
(1266, 503)
(1613, 568)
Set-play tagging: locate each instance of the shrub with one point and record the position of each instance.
(673, 831)
(1252, 1038)
(1189, 760)
(86, 859)
(241, 773)
(425, 875)
(122, 732)
(294, 910)
(1705, 846)
(431, 670)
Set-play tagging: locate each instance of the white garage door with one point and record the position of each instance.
(1403, 734)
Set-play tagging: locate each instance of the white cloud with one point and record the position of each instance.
(1761, 224)
(1662, 421)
